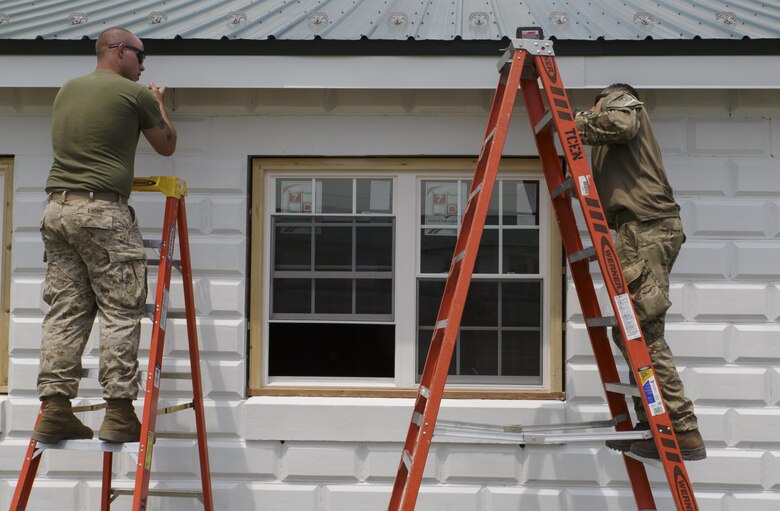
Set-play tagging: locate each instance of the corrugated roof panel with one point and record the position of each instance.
(392, 19)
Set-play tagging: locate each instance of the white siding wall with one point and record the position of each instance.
(340, 454)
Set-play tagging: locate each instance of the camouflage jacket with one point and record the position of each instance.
(616, 122)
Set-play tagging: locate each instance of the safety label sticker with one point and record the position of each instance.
(584, 186)
(631, 325)
(650, 388)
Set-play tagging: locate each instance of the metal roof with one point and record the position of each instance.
(432, 20)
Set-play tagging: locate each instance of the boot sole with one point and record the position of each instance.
(619, 448)
(118, 437)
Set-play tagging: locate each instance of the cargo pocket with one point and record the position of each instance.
(128, 266)
(650, 299)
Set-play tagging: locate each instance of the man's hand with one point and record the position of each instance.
(597, 106)
(158, 92)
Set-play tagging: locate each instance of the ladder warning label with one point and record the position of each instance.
(584, 186)
(650, 388)
(623, 304)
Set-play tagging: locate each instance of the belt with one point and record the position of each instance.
(622, 217)
(65, 195)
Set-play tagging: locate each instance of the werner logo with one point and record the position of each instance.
(549, 68)
(683, 489)
(611, 261)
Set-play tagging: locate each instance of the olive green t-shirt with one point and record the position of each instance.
(96, 121)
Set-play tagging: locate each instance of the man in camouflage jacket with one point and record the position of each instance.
(639, 204)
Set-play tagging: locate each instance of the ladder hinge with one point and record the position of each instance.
(603, 321)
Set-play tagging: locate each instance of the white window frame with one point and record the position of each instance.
(407, 174)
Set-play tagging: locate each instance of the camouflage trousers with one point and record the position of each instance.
(647, 251)
(96, 267)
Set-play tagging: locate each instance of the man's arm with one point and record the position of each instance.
(162, 137)
(613, 120)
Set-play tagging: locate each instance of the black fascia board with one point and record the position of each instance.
(411, 47)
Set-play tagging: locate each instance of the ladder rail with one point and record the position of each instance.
(192, 339)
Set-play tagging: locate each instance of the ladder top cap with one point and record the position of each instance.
(171, 186)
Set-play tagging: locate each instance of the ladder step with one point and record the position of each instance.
(567, 185)
(156, 262)
(192, 494)
(588, 253)
(417, 418)
(165, 375)
(505, 434)
(647, 461)
(603, 321)
(489, 137)
(544, 122)
(425, 392)
(622, 388)
(90, 445)
(175, 408)
(152, 243)
(474, 193)
(442, 324)
(458, 257)
(407, 459)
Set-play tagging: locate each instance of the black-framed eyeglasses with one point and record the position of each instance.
(139, 53)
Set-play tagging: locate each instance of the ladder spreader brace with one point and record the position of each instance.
(175, 218)
(529, 64)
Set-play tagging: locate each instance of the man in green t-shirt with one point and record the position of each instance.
(638, 202)
(95, 254)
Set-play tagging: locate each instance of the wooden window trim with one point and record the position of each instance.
(260, 166)
(6, 167)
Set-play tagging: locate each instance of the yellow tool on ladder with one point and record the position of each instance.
(175, 218)
(529, 63)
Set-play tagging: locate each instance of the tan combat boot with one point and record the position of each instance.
(690, 442)
(58, 422)
(120, 423)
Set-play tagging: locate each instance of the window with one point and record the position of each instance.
(349, 261)
(6, 191)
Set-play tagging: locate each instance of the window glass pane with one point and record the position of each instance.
(439, 203)
(333, 296)
(293, 196)
(374, 196)
(521, 250)
(291, 296)
(334, 195)
(374, 296)
(333, 248)
(481, 304)
(331, 350)
(292, 245)
(520, 202)
(428, 301)
(436, 247)
(521, 353)
(374, 245)
(487, 257)
(521, 304)
(478, 352)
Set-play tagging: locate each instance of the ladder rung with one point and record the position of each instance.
(90, 445)
(647, 461)
(562, 188)
(489, 137)
(475, 192)
(603, 321)
(152, 243)
(417, 418)
(586, 253)
(442, 324)
(156, 262)
(425, 392)
(543, 122)
(88, 408)
(497, 433)
(407, 459)
(622, 388)
(458, 257)
(162, 493)
(175, 408)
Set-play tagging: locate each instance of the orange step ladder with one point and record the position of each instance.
(175, 219)
(528, 64)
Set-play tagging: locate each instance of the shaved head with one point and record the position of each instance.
(109, 36)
